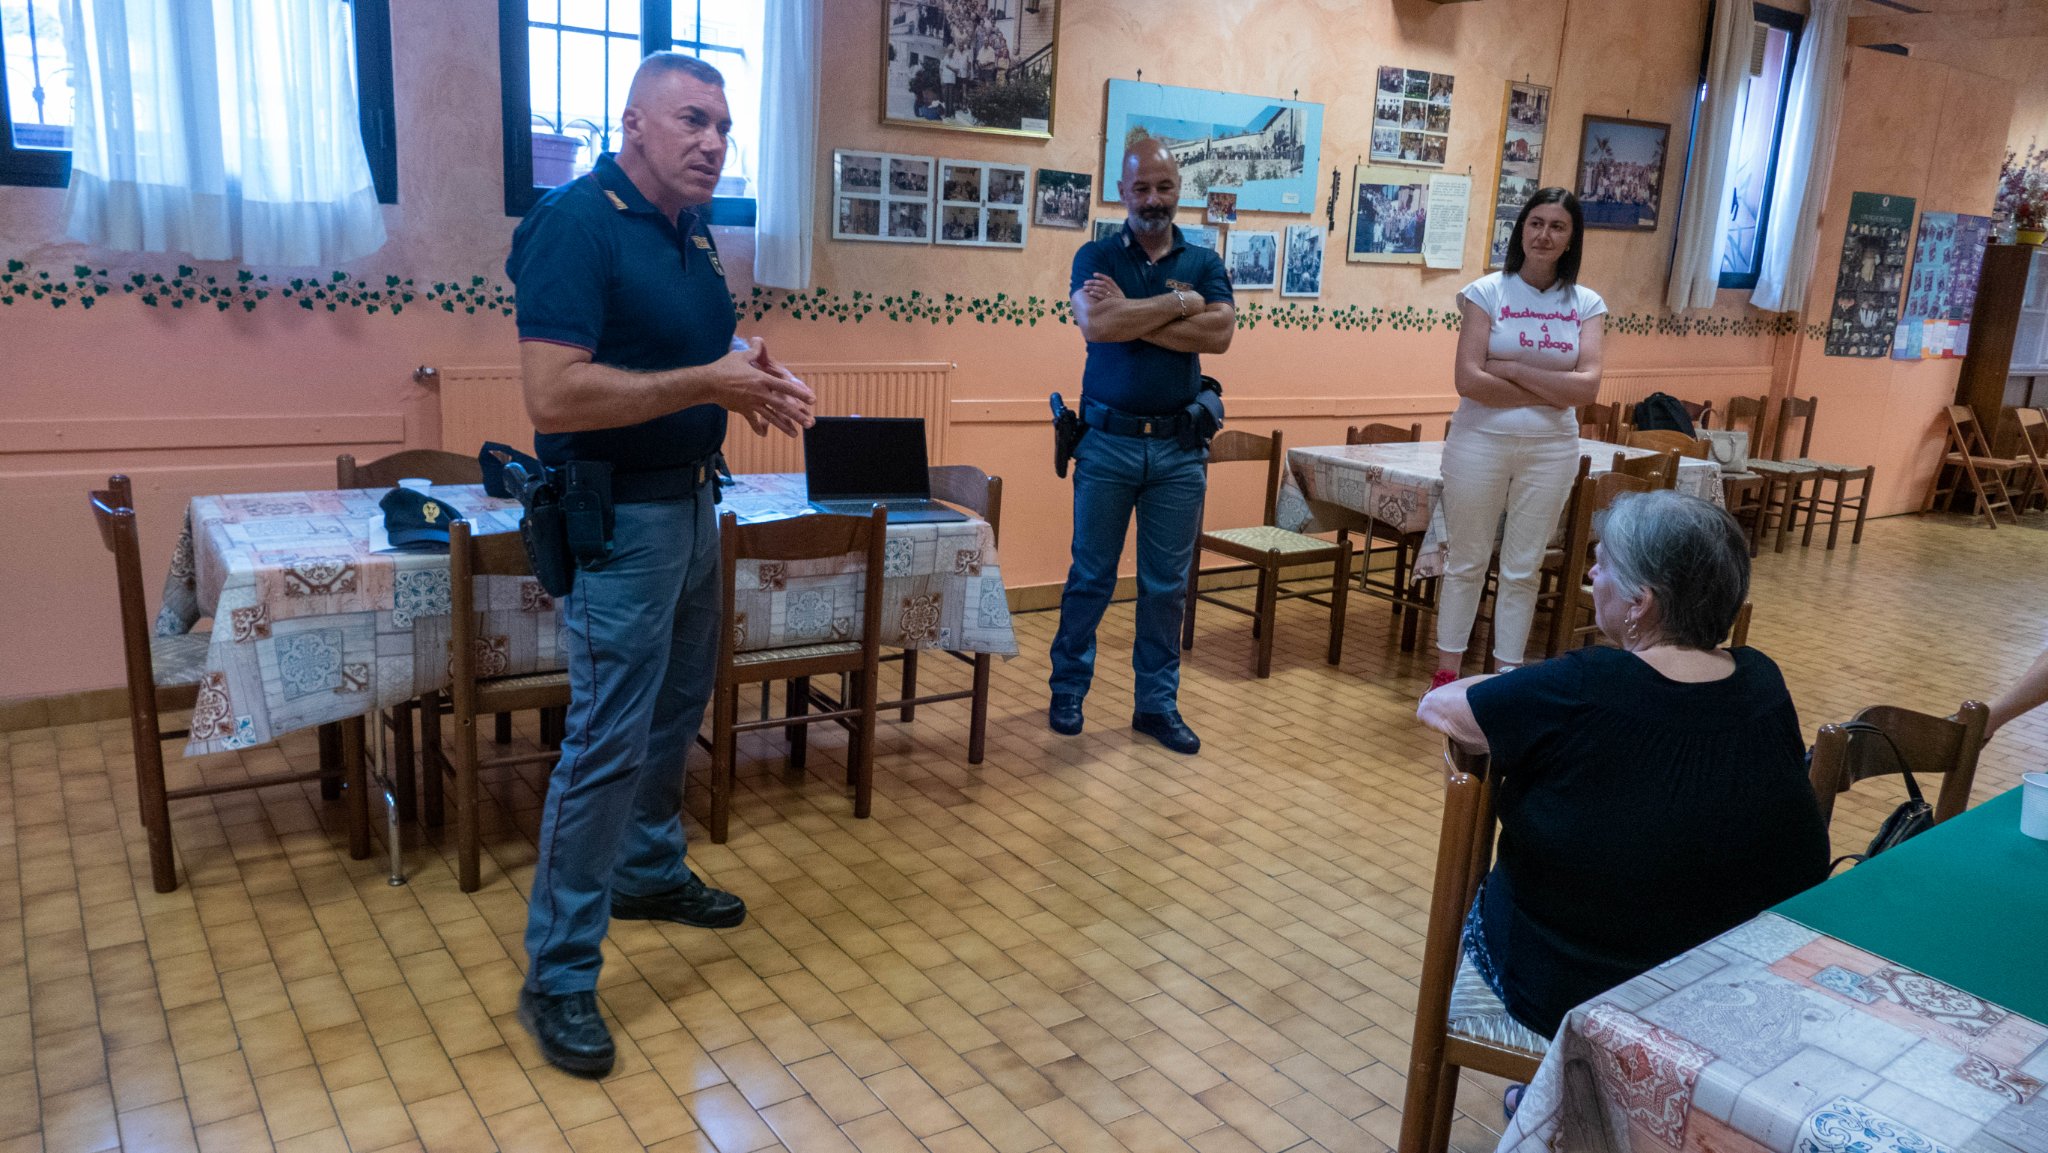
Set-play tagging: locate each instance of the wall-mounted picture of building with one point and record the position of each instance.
(1264, 150)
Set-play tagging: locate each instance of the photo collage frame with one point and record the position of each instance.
(1411, 117)
(882, 197)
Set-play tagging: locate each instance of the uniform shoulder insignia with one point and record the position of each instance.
(614, 198)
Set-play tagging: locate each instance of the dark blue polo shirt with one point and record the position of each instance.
(1136, 376)
(597, 266)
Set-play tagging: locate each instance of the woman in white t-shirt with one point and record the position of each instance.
(1528, 354)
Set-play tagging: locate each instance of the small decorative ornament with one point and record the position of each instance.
(430, 512)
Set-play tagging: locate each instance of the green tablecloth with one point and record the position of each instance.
(1965, 903)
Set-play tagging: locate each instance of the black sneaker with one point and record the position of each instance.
(694, 903)
(1168, 729)
(570, 1031)
(1064, 715)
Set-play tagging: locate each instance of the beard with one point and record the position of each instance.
(1152, 221)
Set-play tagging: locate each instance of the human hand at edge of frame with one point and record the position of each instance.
(751, 383)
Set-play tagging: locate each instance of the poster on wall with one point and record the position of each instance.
(1621, 172)
(1411, 117)
(981, 205)
(881, 197)
(1873, 271)
(1263, 149)
(1443, 234)
(1948, 257)
(1523, 124)
(974, 65)
(1389, 212)
(1304, 270)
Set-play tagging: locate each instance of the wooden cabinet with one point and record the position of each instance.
(2008, 336)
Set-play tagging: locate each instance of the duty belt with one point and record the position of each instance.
(663, 484)
(1163, 427)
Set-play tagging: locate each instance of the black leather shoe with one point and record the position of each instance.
(570, 1031)
(1168, 729)
(695, 903)
(1064, 717)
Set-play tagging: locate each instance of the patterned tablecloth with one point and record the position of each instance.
(312, 624)
(1776, 1037)
(1399, 485)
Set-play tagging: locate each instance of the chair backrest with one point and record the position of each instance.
(1661, 439)
(1967, 435)
(971, 489)
(815, 536)
(1700, 413)
(2033, 438)
(1747, 413)
(429, 463)
(1661, 470)
(113, 510)
(1600, 421)
(1738, 634)
(472, 555)
(1383, 434)
(1944, 746)
(1790, 409)
(1236, 445)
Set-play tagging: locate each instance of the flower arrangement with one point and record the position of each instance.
(2023, 189)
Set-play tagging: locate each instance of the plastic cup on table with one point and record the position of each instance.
(416, 483)
(2034, 806)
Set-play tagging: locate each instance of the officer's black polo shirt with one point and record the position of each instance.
(1136, 376)
(599, 267)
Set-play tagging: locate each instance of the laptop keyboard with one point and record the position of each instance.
(861, 507)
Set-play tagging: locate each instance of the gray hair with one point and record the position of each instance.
(1689, 554)
(669, 63)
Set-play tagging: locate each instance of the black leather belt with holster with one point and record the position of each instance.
(570, 511)
(1193, 426)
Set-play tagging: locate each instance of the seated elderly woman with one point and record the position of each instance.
(1651, 796)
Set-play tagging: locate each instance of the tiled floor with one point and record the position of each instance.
(1082, 944)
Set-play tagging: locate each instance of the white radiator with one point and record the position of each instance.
(479, 404)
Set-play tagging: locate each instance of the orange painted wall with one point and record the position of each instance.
(192, 402)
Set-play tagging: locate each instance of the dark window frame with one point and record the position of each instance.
(515, 73)
(1794, 26)
(51, 167)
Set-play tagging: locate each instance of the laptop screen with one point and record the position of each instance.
(865, 457)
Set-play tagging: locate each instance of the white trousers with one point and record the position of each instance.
(1486, 474)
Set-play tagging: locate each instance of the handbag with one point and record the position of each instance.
(1728, 447)
(1913, 817)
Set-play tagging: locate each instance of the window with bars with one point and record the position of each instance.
(568, 63)
(36, 101)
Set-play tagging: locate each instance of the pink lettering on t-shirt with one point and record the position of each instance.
(1507, 313)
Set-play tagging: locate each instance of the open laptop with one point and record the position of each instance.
(852, 463)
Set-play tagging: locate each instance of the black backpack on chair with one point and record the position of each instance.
(1662, 410)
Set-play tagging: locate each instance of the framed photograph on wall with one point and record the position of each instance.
(972, 65)
(880, 196)
(1524, 120)
(1203, 236)
(1106, 227)
(1063, 199)
(1411, 116)
(1252, 260)
(981, 204)
(1621, 172)
(1303, 271)
(1389, 209)
(1264, 149)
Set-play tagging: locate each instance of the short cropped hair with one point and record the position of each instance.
(1691, 555)
(659, 63)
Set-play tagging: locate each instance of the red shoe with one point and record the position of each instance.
(1442, 678)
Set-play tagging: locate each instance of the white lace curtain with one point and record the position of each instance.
(789, 138)
(222, 129)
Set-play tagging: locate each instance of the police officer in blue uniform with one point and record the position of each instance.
(628, 358)
(1149, 304)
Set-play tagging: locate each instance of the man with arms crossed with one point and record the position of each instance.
(1148, 303)
(628, 358)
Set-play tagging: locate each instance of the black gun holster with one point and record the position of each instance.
(1067, 431)
(568, 513)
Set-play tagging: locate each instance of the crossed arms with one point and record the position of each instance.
(1179, 321)
(1511, 384)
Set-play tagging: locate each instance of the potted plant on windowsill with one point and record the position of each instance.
(2023, 194)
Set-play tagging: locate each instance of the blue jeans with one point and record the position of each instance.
(1164, 482)
(642, 631)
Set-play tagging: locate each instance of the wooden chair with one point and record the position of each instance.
(1970, 457)
(1781, 483)
(1841, 475)
(1459, 1022)
(1574, 625)
(1932, 746)
(1745, 491)
(2033, 442)
(799, 538)
(1664, 439)
(1268, 549)
(1660, 470)
(1700, 413)
(1600, 422)
(1409, 600)
(385, 472)
(981, 494)
(164, 675)
(475, 692)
